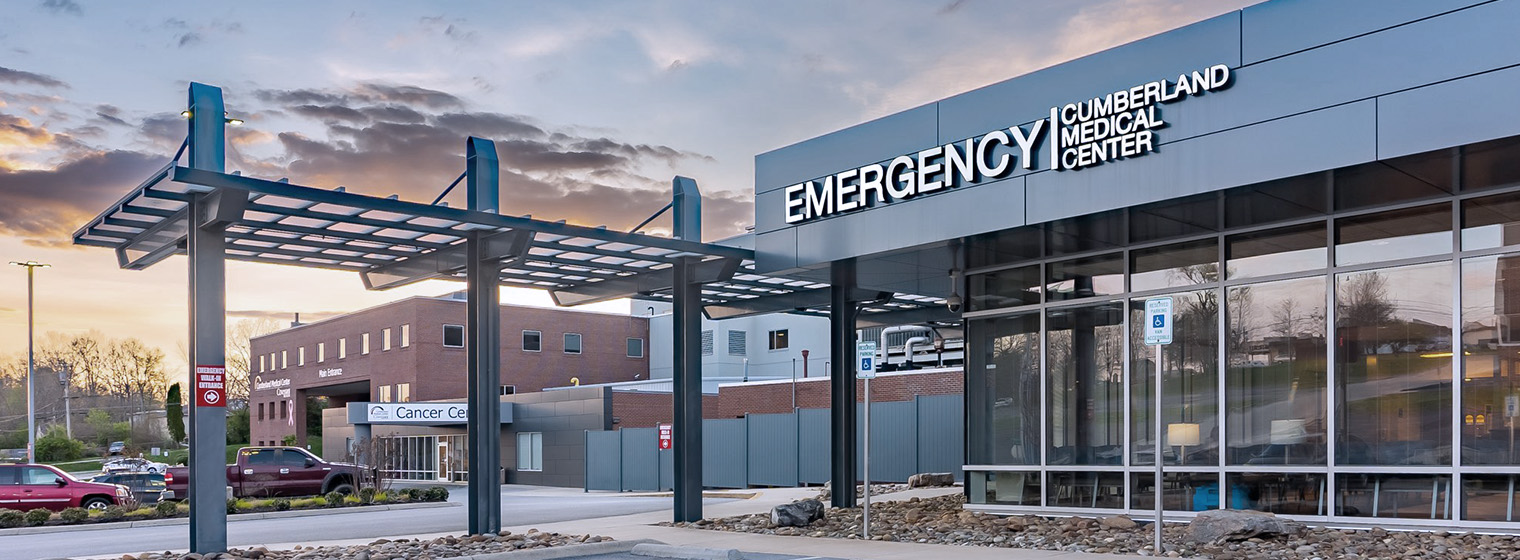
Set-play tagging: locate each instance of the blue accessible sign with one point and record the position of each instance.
(1158, 321)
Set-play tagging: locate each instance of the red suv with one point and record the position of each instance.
(27, 487)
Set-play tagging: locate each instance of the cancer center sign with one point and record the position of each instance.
(417, 413)
(1081, 134)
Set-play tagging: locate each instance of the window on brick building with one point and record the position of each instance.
(385, 339)
(261, 412)
(403, 392)
(406, 335)
(778, 339)
(284, 410)
(261, 363)
(321, 352)
(508, 390)
(635, 347)
(738, 343)
(385, 393)
(572, 343)
(530, 451)
(453, 336)
(364, 343)
(707, 343)
(533, 341)
(342, 348)
(301, 356)
(284, 359)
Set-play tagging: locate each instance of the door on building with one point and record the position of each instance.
(443, 459)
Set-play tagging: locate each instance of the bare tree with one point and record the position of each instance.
(1363, 301)
(240, 356)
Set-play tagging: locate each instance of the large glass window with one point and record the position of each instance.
(1412, 232)
(1275, 379)
(1492, 221)
(1490, 359)
(1393, 366)
(1005, 288)
(1010, 395)
(1087, 277)
(1190, 390)
(1277, 251)
(1174, 266)
(1004, 488)
(1085, 360)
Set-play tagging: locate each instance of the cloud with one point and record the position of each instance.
(364, 93)
(45, 206)
(22, 77)
(62, 7)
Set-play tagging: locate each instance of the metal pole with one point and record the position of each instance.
(483, 351)
(68, 418)
(794, 386)
(207, 250)
(865, 511)
(842, 400)
(686, 376)
(1157, 438)
(31, 411)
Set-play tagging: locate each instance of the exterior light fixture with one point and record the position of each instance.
(185, 113)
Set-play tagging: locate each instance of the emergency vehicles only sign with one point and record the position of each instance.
(211, 386)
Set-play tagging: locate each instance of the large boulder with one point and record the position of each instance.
(1221, 525)
(797, 514)
(922, 480)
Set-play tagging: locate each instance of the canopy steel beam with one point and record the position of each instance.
(483, 326)
(794, 301)
(686, 375)
(446, 263)
(842, 378)
(208, 310)
(703, 272)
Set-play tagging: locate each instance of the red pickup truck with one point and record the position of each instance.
(27, 487)
(277, 471)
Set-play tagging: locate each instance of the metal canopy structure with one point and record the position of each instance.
(199, 210)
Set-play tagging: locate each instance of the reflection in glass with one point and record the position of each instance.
(1412, 232)
(1385, 182)
(1491, 164)
(1190, 412)
(1004, 288)
(1278, 251)
(1275, 378)
(1174, 266)
(1393, 366)
(1004, 488)
(1085, 356)
(1179, 492)
(1491, 221)
(1086, 277)
(1282, 493)
(1086, 489)
(1010, 390)
(1394, 495)
(1277, 200)
(1490, 358)
(1177, 217)
(1489, 497)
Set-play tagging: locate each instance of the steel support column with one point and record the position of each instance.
(483, 328)
(842, 371)
(686, 321)
(206, 246)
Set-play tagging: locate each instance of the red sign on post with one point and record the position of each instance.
(665, 436)
(211, 386)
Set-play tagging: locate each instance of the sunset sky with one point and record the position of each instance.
(595, 105)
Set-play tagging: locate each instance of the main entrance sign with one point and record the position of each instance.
(1086, 133)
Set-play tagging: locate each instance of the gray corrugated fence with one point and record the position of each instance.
(922, 435)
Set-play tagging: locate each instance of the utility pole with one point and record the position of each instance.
(65, 377)
(31, 411)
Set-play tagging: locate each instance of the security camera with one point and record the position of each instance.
(954, 303)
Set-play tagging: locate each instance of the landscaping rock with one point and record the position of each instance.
(1118, 522)
(797, 514)
(927, 480)
(1218, 526)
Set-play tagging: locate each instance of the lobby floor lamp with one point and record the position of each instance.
(1288, 433)
(1182, 434)
(31, 415)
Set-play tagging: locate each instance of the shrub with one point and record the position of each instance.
(58, 446)
(334, 499)
(10, 518)
(38, 516)
(382, 497)
(166, 508)
(437, 494)
(144, 512)
(112, 513)
(74, 515)
(281, 504)
(288, 441)
(416, 494)
(232, 506)
(367, 495)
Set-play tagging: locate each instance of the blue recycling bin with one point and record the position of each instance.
(1206, 496)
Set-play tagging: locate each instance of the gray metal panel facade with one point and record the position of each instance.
(941, 417)
(604, 461)
(772, 449)
(813, 445)
(1310, 82)
(640, 457)
(894, 441)
(724, 453)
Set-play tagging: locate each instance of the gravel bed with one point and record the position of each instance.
(860, 489)
(385, 549)
(941, 520)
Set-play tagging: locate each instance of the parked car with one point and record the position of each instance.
(278, 471)
(116, 448)
(13, 455)
(147, 488)
(25, 487)
(133, 464)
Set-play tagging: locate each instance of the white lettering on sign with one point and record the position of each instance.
(210, 386)
(420, 413)
(330, 372)
(1112, 127)
(260, 385)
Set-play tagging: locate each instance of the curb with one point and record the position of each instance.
(568, 551)
(686, 552)
(235, 517)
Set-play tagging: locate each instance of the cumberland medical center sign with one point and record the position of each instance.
(1082, 134)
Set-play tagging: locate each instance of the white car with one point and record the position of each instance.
(133, 464)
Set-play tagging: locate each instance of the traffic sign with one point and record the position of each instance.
(665, 433)
(865, 359)
(211, 386)
(1158, 321)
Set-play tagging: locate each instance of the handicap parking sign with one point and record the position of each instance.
(1159, 329)
(865, 354)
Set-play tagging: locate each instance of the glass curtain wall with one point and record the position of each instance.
(1346, 345)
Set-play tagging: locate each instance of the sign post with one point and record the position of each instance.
(865, 358)
(1158, 333)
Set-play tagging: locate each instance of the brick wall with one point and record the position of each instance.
(645, 410)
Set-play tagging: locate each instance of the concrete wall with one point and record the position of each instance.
(1318, 84)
